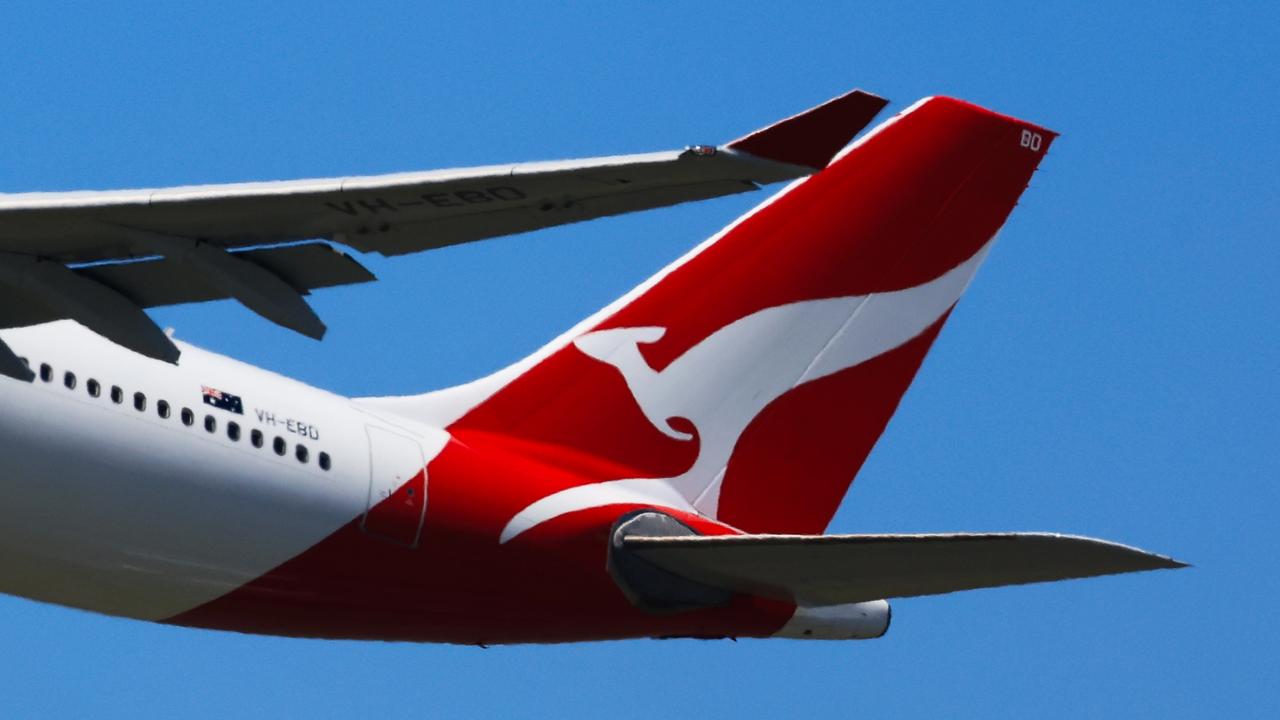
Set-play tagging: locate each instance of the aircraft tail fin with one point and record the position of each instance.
(749, 380)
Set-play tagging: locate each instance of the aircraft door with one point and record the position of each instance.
(397, 487)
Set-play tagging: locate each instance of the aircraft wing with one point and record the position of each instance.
(836, 569)
(52, 245)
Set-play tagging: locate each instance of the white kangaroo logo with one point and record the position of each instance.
(721, 384)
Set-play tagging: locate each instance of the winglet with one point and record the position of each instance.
(814, 136)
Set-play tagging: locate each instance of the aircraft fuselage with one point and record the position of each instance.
(126, 509)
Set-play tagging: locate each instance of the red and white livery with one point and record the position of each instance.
(665, 468)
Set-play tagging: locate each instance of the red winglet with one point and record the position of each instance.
(814, 136)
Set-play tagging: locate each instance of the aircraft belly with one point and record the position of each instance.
(84, 523)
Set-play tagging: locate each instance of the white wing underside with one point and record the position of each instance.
(100, 258)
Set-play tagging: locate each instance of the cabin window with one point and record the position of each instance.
(255, 438)
(233, 430)
(188, 417)
(210, 423)
(46, 372)
(139, 401)
(117, 395)
(162, 408)
(300, 452)
(93, 387)
(69, 379)
(324, 461)
(279, 445)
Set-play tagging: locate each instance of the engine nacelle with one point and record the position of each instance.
(851, 621)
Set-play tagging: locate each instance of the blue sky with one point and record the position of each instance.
(1111, 372)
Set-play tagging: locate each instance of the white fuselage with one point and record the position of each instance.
(117, 509)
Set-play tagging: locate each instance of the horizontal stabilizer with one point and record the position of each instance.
(834, 569)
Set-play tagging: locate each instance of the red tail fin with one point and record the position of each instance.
(750, 380)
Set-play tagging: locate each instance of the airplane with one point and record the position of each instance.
(665, 468)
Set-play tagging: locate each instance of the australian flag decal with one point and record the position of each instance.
(222, 400)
